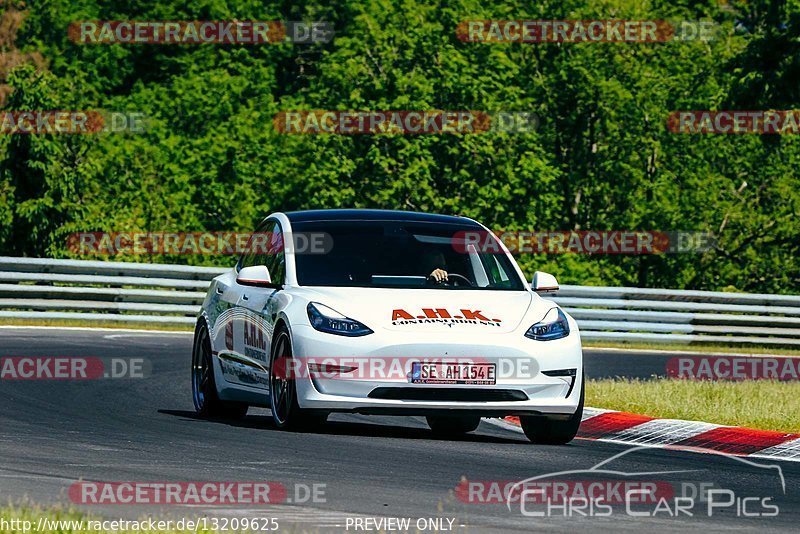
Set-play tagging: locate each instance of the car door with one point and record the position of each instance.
(257, 307)
(222, 312)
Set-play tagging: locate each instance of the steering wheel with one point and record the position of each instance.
(457, 280)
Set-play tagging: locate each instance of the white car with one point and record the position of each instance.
(386, 312)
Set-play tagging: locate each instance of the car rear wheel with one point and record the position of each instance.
(452, 425)
(553, 432)
(286, 411)
(204, 388)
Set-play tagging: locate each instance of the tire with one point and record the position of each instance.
(452, 425)
(286, 411)
(204, 387)
(551, 432)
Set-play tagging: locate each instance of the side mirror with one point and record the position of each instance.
(544, 282)
(256, 276)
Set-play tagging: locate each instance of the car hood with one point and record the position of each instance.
(430, 310)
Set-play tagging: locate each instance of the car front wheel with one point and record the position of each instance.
(286, 411)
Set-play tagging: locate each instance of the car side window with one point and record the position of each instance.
(251, 253)
(273, 255)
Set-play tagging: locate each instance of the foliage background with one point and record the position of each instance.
(601, 158)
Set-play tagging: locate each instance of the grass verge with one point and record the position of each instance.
(701, 348)
(761, 404)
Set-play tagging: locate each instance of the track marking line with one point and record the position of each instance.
(91, 329)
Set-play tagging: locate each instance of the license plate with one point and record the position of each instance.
(453, 373)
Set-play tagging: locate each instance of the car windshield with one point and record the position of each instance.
(402, 254)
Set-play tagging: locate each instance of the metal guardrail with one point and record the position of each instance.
(677, 316)
(40, 288)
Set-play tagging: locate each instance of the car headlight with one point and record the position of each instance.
(328, 320)
(554, 325)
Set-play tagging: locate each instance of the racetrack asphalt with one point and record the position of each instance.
(54, 433)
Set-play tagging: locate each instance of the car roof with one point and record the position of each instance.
(375, 215)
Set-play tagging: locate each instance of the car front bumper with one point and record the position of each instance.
(521, 388)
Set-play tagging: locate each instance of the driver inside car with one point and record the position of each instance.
(434, 263)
